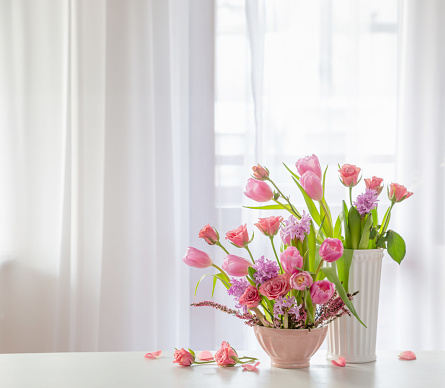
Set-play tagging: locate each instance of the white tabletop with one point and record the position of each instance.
(131, 369)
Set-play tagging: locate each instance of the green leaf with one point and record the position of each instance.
(373, 233)
(309, 307)
(199, 281)
(332, 276)
(381, 242)
(251, 271)
(324, 179)
(270, 207)
(346, 226)
(337, 228)
(312, 241)
(354, 223)
(396, 246)
(192, 352)
(215, 279)
(292, 173)
(375, 217)
(309, 203)
(343, 267)
(385, 221)
(366, 232)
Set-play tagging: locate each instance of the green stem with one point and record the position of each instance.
(350, 195)
(203, 362)
(220, 270)
(248, 250)
(387, 217)
(274, 251)
(286, 320)
(292, 209)
(224, 249)
(318, 268)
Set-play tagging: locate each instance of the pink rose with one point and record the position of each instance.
(321, 291)
(275, 287)
(183, 357)
(258, 191)
(291, 258)
(349, 174)
(398, 193)
(270, 225)
(309, 163)
(251, 297)
(301, 280)
(236, 266)
(259, 172)
(196, 258)
(311, 183)
(239, 236)
(209, 234)
(226, 356)
(374, 184)
(331, 249)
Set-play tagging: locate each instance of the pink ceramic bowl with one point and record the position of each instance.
(289, 348)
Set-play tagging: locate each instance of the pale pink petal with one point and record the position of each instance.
(251, 367)
(340, 362)
(154, 355)
(205, 355)
(407, 355)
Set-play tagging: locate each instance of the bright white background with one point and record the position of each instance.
(126, 126)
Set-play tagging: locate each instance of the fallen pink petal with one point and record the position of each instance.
(251, 367)
(154, 355)
(340, 362)
(407, 355)
(205, 355)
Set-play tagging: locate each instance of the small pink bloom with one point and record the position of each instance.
(340, 362)
(290, 258)
(349, 174)
(275, 287)
(301, 280)
(269, 226)
(236, 265)
(374, 184)
(407, 355)
(321, 291)
(258, 191)
(153, 355)
(205, 355)
(196, 258)
(398, 193)
(209, 234)
(309, 163)
(251, 297)
(251, 367)
(331, 249)
(259, 172)
(226, 356)
(183, 357)
(239, 236)
(311, 183)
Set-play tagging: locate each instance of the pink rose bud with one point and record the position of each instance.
(251, 297)
(209, 234)
(258, 191)
(275, 287)
(321, 291)
(226, 356)
(301, 280)
(331, 249)
(290, 258)
(239, 236)
(374, 184)
(349, 174)
(269, 226)
(259, 172)
(236, 266)
(309, 163)
(398, 193)
(311, 183)
(196, 258)
(183, 357)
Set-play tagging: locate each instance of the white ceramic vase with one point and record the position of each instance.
(347, 337)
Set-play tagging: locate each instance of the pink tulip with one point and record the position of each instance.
(349, 174)
(301, 280)
(321, 291)
(331, 249)
(275, 287)
(236, 266)
(311, 183)
(183, 357)
(374, 184)
(258, 191)
(209, 234)
(309, 163)
(407, 355)
(269, 226)
(239, 236)
(290, 258)
(196, 258)
(226, 356)
(398, 193)
(251, 297)
(261, 173)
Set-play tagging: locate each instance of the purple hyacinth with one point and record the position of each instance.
(265, 270)
(294, 228)
(283, 304)
(366, 202)
(237, 288)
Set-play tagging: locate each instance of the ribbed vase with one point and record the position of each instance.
(347, 337)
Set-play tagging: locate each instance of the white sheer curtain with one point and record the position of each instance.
(95, 171)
